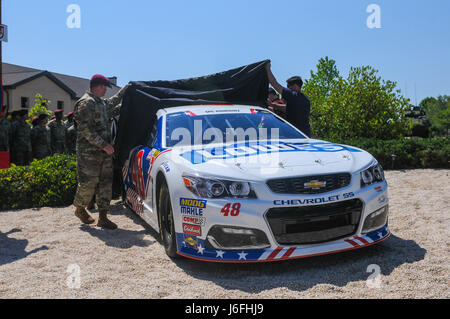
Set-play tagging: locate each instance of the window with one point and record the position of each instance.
(24, 102)
(153, 135)
(60, 105)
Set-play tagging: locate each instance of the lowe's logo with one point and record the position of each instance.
(258, 148)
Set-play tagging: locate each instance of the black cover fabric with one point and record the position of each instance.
(246, 85)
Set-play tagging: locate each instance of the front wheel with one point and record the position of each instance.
(166, 224)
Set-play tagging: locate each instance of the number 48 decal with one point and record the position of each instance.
(233, 210)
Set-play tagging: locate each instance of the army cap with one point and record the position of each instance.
(99, 79)
(295, 80)
(43, 116)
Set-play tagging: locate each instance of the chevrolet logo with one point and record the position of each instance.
(315, 184)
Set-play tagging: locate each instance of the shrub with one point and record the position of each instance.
(409, 152)
(49, 182)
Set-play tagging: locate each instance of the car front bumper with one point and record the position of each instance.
(195, 224)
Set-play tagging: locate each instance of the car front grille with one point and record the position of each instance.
(296, 185)
(315, 224)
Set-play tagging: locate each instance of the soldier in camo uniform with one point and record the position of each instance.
(5, 126)
(58, 133)
(94, 150)
(71, 139)
(20, 140)
(40, 138)
(69, 122)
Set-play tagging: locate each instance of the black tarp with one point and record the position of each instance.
(246, 85)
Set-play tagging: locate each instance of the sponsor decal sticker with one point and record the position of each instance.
(190, 240)
(192, 207)
(195, 230)
(194, 220)
(166, 167)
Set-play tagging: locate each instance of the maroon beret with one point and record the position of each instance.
(100, 79)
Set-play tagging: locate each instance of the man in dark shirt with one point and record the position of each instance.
(298, 106)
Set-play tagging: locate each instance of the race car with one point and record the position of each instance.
(236, 183)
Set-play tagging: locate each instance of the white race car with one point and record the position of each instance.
(233, 183)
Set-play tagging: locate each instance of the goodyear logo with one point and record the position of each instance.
(193, 202)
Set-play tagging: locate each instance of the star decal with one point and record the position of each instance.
(200, 249)
(242, 255)
(220, 254)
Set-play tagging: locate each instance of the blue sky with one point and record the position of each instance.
(167, 40)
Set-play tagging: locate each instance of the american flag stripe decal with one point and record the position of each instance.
(365, 242)
(351, 242)
(274, 253)
(289, 252)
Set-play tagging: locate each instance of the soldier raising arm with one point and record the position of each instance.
(94, 150)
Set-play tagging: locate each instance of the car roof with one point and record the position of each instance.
(210, 109)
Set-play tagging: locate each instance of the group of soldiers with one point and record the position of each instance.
(43, 139)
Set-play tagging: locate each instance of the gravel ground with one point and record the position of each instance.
(42, 249)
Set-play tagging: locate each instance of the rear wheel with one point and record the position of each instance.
(166, 223)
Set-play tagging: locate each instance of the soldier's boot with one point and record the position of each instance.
(84, 216)
(103, 220)
(91, 203)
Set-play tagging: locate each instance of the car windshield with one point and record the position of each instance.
(185, 128)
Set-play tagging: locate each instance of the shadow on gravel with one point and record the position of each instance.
(120, 208)
(119, 238)
(12, 249)
(302, 274)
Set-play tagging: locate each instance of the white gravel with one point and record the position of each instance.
(38, 248)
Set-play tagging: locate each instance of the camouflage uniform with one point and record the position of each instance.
(71, 140)
(4, 134)
(68, 124)
(21, 143)
(58, 136)
(40, 141)
(94, 166)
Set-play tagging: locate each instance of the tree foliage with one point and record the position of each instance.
(361, 105)
(40, 107)
(438, 113)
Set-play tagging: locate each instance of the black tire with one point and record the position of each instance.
(166, 223)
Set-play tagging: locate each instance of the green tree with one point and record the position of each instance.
(362, 105)
(438, 113)
(40, 107)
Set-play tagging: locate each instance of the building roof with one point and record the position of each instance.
(16, 75)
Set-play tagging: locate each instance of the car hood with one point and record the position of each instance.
(270, 159)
